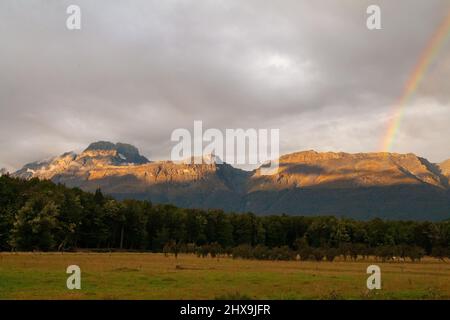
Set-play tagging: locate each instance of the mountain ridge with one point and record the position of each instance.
(307, 182)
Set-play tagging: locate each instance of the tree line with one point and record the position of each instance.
(41, 215)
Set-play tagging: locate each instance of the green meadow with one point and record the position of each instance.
(155, 276)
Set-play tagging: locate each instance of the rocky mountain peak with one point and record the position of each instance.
(97, 155)
(101, 145)
(118, 153)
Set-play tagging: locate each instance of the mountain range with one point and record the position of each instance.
(361, 185)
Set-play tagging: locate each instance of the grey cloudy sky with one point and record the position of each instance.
(139, 69)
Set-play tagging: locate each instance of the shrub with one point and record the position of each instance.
(440, 253)
(282, 253)
(305, 253)
(318, 254)
(415, 253)
(386, 253)
(261, 252)
(215, 249)
(243, 251)
(331, 254)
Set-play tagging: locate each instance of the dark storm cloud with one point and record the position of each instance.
(139, 69)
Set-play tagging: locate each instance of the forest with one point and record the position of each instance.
(39, 215)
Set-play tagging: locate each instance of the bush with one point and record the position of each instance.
(244, 251)
(203, 251)
(415, 253)
(440, 253)
(344, 249)
(305, 253)
(215, 249)
(318, 254)
(282, 253)
(386, 253)
(261, 252)
(331, 254)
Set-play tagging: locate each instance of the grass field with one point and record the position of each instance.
(154, 276)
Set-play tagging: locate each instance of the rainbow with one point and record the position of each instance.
(426, 59)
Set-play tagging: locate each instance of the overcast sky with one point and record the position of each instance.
(139, 69)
